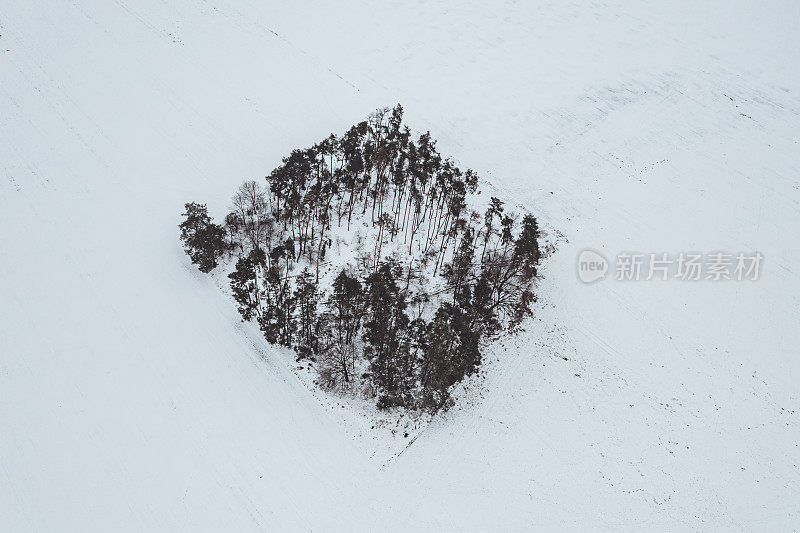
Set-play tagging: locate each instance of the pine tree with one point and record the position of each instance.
(345, 309)
(244, 288)
(270, 318)
(277, 319)
(450, 354)
(494, 210)
(458, 273)
(306, 297)
(385, 323)
(526, 247)
(203, 240)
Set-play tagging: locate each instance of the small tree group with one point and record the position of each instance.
(410, 329)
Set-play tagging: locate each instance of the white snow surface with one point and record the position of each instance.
(133, 398)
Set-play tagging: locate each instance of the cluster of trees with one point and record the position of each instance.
(431, 279)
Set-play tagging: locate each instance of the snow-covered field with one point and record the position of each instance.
(132, 397)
